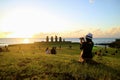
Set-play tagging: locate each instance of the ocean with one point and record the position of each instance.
(8, 41)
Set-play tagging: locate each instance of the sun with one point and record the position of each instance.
(26, 41)
(23, 34)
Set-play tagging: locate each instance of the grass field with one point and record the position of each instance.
(30, 62)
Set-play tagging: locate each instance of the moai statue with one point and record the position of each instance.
(63, 40)
(51, 38)
(60, 39)
(56, 38)
(47, 39)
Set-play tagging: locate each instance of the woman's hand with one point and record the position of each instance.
(82, 40)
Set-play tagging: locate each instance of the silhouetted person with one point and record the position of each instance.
(47, 51)
(6, 48)
(53, 50)
(115, 52)
(106, 51)
(70, 47)
(99, 53)
(86, 48)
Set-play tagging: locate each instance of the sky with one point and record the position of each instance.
(66, 18)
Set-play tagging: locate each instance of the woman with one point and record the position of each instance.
(86, 48)
(47, 50)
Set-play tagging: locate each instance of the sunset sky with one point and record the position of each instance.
(66, 18)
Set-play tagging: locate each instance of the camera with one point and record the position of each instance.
(81, 38)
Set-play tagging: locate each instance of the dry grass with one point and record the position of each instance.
(29, 61)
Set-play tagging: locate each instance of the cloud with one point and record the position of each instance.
(109, 33)
(97, 33)
(44, 34)
(113, 32)
(91, 1)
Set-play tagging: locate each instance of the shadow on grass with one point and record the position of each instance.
(40, 76)
(111, 73)
(64, 75)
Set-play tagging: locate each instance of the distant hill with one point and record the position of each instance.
(115, 44)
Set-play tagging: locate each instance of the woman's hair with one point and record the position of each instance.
(88, 40)
(46, 49)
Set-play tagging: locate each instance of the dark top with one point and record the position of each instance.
(87, 49)
(53, 51)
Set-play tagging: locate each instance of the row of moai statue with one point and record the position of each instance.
(54, 39)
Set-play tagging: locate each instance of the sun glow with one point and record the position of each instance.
(21, 35)
(25, 22)
(26, 41)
